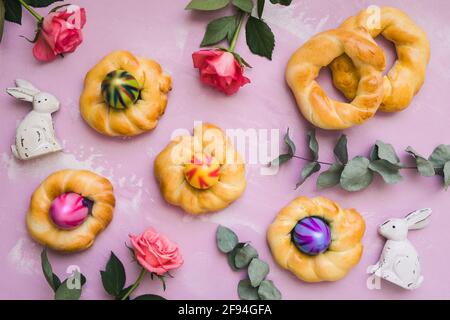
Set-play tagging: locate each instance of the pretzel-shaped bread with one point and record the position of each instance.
(407, 75)
(145, 107)
(201, 173)
(344, 252)
(305, 64)
(85, 183)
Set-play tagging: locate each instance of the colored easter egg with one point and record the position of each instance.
(69, 210)
(202, 172)
(312, 236)
(120, 89)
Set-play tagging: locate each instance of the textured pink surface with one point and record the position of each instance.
(164, 31)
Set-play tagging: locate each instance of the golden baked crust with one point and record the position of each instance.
(169, 171)
(85, 183)
(347, 229)
(304, 67)
(136, 119)
(407, 75)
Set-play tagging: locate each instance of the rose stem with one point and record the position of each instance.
(330, 164)
(136, 284)
(31, 10)
(236, 32)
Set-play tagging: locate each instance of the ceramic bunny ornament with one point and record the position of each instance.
(399, 262)
(35, 135)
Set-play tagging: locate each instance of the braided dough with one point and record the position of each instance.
(347, 229)
(170, 171)
(305, 64)
(88, 185)
(407, 75)
(136, 119)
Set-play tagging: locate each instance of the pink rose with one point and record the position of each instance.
(220, 69)
(155, 252)
(60, 33)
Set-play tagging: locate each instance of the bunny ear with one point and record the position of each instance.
(21, 94)
(418, 219)
(20, 83)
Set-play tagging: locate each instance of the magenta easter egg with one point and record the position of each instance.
(69, 210)
(312, 236)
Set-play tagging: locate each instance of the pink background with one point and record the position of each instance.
(164, 31)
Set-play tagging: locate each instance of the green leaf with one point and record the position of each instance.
(356, 175)
(260, 38)
(66, 292)
(290, 143)
(340, 150)
(257, 271)
(52, 279)
(260, 6)
(447, 175)
(374, 153)
(282, 2)
(331, 177)
(268, 291)
(440, 156)
(207, 5)
(2, 17)
(149, 297)
(244, 255)
(13, 11)
(41, 3)
(244, 5)
(226, 239)
(113, 278)
(219, 29)
(282, 159)
(424, 166)
(246, 291)
(313, 144)
(389, 172)
(387, 152)
(232, 255)
(308, 171)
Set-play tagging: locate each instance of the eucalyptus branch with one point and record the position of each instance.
(357, 174)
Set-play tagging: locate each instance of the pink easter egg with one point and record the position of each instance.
(69, 210)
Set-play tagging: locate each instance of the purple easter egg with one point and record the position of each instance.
(312, 236)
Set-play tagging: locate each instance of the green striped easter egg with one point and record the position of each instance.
(120, 89)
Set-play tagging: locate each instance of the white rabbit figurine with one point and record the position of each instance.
(399, 262)
(35, 135)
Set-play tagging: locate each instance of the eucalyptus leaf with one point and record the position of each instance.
(374, 153)
(2, 17)
(307, 172)
(268, 291)
(313, 144)
(331, 177)
(113, 278)
(389, 172)
(13, 11)
(219, 29)
(447, 175)
(232, 255)
(282, 159)
(259, 37)
(244, 5)
(246, 291)
(424, 166)
(260, 7)
(207, 5)
(226, 239)
(149, 297)
(440, 156)
(257, 271)
(387, 152)
(356, 175)
(52, 279)
(244, 255)
(340, 150)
